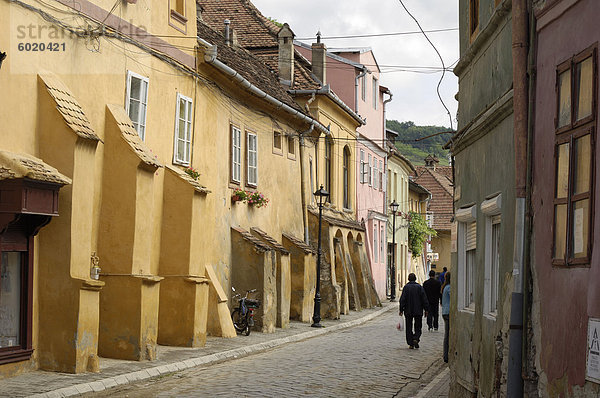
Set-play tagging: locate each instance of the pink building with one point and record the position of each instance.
(354, 76)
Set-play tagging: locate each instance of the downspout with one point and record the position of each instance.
(384, 145)
(356, 79)
(527, 272)
(520, 109)
(210, 57)
(303, 183)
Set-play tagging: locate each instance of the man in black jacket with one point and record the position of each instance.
(432, 288)
(413, 302)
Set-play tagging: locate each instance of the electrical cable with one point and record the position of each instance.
(439, 55)
(380, 34)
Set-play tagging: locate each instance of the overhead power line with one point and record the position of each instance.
(379, 34)
(439, 55)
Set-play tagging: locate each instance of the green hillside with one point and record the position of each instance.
(417, 151)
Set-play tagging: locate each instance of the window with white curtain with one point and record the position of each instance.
(252, 159)
(137, 101)
(236, 154)
(183, 131)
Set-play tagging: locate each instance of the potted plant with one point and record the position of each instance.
(257, 199)
(192, 172)
(239, 195)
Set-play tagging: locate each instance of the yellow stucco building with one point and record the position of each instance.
(125, 145)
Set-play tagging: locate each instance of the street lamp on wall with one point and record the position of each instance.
(394, 208)
(321, 195)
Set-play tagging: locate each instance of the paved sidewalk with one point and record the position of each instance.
(173, 359)
(439, 387)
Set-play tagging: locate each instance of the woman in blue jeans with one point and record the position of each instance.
(446, 312)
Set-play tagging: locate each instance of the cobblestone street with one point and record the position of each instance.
(371, 360)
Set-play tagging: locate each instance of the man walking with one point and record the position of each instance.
(413, 302)
(432, 288)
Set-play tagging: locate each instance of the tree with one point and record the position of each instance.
(418, 232)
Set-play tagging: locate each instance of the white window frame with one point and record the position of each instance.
(381, 240)
(362, 167)
(236, 154)
(140, 125)
(375, 92)
(187, 132)
(251, 165)
(466, 270)
(492, 208)
(381, 176)
(369, 170)
(375, 173)
(375, 244)
(363, 88)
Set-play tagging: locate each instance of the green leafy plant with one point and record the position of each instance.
(253, 198)
(418, 232)
(192, 172)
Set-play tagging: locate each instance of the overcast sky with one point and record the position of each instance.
(415, 96)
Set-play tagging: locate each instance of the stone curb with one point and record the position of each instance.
(148, 373)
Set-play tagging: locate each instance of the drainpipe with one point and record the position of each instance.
(520, 109)
(529, 215)
(384, 146)
(356, 79)
(210, 57)
(303, 183)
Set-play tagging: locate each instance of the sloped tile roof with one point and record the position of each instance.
(441, 204)
(20, 165)
(338, 220)
(270, 240)
(258, 244)
(68, 106)
(253, 29)
(247, 65)
(299, 243)
(257, 34)
(184, 176)
(131, 137)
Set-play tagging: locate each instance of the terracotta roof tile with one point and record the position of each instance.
(253, 29)
(338, 220)
(131, 137)
(441, 204)
(258, 244)
(247, 65)
(20, 165)
(270, 240)
(299, 243)
(257, 34)
(68, 106)
(184, 176)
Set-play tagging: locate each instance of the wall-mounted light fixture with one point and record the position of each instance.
(2, 58)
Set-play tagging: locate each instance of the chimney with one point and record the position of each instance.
(286, 55)
(227, 32)
(319, 51)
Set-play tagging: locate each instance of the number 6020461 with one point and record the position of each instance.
(40, 47)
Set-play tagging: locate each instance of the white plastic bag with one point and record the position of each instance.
(400, 325)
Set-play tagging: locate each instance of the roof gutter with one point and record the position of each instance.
(210, 57)
(326, 90)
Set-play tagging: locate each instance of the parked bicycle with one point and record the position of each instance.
(243, 316)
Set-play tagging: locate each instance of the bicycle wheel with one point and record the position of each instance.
(247, 331)
(239, 321)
